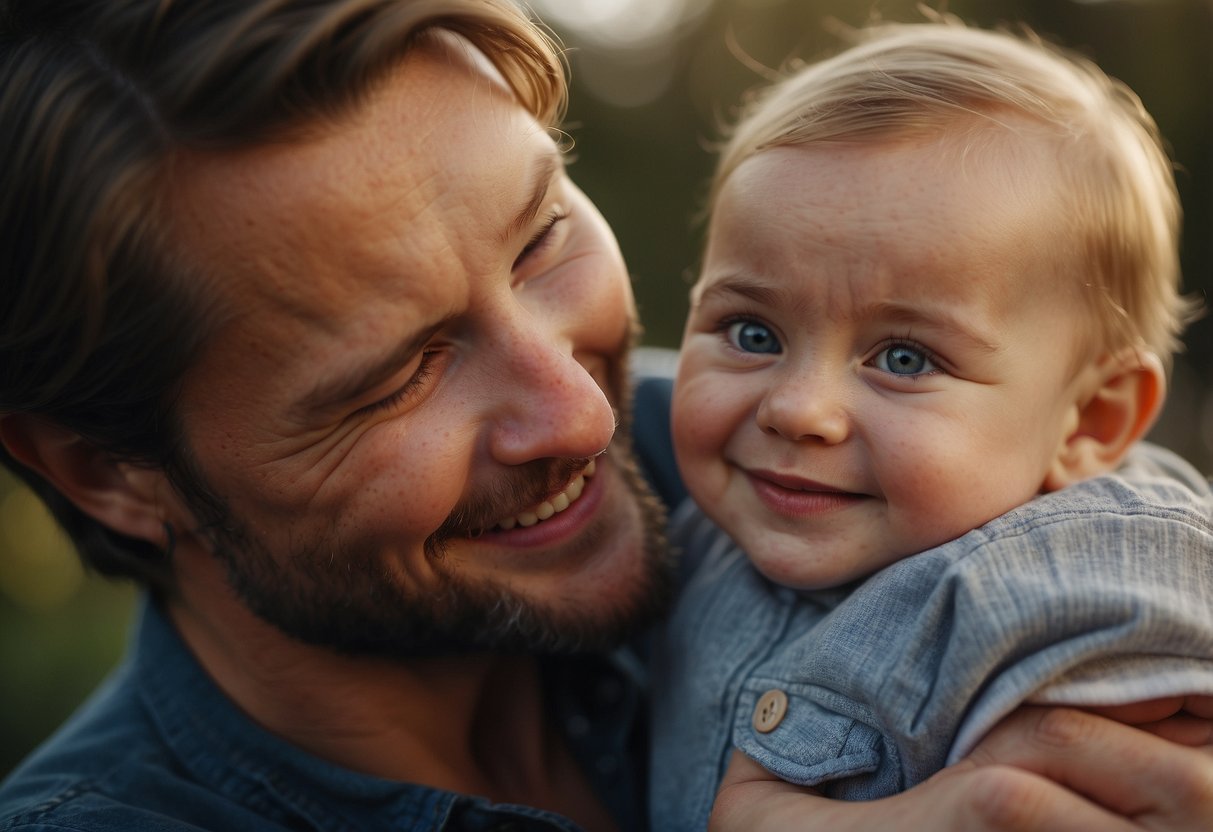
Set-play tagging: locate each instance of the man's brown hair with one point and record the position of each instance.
(101, 316)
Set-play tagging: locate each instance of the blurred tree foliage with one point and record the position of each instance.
(60, 629)
(652, 82)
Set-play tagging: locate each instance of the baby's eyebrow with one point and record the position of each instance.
(747, 288)
(938, 317)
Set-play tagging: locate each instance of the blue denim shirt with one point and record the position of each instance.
(160, 747)
(1098, 594)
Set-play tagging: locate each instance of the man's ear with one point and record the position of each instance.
(120, 496)
(1116, 408)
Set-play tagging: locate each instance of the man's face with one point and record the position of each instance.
(880, 355)
(423, 358)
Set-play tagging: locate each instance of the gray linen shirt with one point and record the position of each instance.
(1098, 594)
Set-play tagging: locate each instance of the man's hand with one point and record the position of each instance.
(1051, 769)
(1187, 720)
(1157, 780)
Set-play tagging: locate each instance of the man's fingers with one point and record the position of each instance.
(1183, 729)
(1201, 706)
(1012, 800)
(1160, 784)
(1156, 712)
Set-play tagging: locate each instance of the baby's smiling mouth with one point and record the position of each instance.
(793, 496)
(551, 506)
(795, 483)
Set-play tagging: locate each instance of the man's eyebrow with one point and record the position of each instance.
(356, 381)
(541, 180)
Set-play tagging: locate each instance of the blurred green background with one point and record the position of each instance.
(652, 80)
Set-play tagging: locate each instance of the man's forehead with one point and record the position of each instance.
(412, 170)
(404, 122)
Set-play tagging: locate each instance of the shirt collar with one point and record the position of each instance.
(228, 753)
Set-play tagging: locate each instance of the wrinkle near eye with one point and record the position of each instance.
(307, 462)
(543, 239)
(546, 169)
(331, 394)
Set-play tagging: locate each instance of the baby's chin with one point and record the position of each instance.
(812, 568)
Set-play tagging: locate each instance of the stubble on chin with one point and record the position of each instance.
(334, 595)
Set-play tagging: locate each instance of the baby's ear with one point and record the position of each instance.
(1117, 407)
(120, 496)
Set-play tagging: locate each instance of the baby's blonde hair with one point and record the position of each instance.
(901, 80)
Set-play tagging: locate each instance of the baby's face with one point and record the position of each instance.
(879, 356)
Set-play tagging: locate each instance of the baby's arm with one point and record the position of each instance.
(1041, 768)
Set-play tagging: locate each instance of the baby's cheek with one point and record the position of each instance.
(696, 439)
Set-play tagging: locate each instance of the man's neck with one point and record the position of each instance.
(468, 724)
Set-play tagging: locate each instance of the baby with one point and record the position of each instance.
(938, 299)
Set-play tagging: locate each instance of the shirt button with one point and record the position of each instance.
(769, 711)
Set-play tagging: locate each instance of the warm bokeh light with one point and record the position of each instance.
(61, 629)
(622, 47)
(624, 24)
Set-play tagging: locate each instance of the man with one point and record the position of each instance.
(308, 330)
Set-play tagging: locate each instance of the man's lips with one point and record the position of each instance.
(795, 496)
(552, 506)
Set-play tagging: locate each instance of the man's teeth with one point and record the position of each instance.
(550, 507)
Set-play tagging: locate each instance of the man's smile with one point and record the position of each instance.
(552, 505)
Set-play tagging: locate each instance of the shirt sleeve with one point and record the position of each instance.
(1098, 594)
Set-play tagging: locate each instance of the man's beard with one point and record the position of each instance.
(346, 600)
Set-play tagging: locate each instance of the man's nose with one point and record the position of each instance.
(806, 405)
(551, 403)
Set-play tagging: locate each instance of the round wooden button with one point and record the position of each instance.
(769, 711)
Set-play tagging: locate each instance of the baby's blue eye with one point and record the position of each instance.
(904, 360)
(751, 336)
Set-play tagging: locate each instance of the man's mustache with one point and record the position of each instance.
(519, 488)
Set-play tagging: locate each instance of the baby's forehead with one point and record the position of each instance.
(964, 212)
(1009, 148)
(1006, 172)
(1001, 162)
